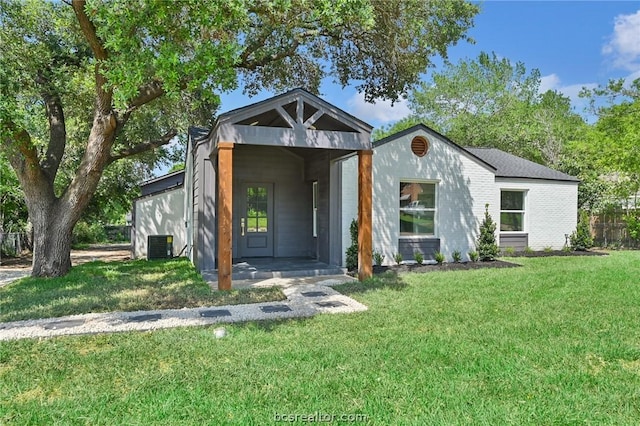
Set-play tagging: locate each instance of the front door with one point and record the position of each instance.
(256, 220)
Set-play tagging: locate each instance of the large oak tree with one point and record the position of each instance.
(129, 74)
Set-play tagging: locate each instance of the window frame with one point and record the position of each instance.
(433, 209)
(523, 212)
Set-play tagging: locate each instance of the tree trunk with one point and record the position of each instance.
(53, 218)
(52, 241)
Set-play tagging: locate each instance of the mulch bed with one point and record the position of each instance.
(444, 267)
(451, 266)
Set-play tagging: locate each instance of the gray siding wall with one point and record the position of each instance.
(317, 169)
(204, 203)
(292, 196)
(518, 241)
(427, 246)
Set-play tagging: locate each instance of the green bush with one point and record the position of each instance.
(473, 256)
(352, 251)
(633, 227)
(397, 258)
(509, 251)
(486, 245)
(581, 239)
(457, 256)
(418, 257)
(528, 250)
(84, 233)
(439, 258)
(378, 257)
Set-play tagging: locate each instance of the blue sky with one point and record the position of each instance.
(572, 43)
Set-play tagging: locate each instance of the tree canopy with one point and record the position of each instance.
(100, 82)
(489, 101)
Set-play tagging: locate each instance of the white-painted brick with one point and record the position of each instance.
(465, 186)
(550, 210)
(161, 214)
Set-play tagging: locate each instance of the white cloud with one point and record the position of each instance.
(553, 82)
(549, 82)
(624, 44)
(380, 112)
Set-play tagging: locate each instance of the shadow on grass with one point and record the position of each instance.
(390, 279)
(120, 286)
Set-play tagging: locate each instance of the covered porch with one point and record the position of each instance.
(277, 198)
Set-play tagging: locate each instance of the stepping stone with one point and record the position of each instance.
(314, 293)
(330, 304)
(215, 313)
(274, 308)
(58, 325)
(143, 318)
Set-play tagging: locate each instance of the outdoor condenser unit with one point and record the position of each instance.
(159, 247)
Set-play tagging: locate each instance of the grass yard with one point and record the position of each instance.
(119, 286)
(554, 342)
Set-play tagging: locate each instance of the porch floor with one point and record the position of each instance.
(276, 267)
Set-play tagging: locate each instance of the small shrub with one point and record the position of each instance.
(528, 250)
(566, 249)
(486, 245)
(509, 251)
(548, 249)
(397, 258)
(474, 256)
(352, 251)
(439, 258)
(581, 239)
(457, 256)
(378, 257)
(418, 257)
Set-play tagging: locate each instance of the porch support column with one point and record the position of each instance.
(365, 249)
(225, 208)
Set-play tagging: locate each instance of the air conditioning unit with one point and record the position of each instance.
(159, 247)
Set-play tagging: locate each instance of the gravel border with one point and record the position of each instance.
(299, 304)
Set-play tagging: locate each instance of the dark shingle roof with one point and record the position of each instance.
(511, 166)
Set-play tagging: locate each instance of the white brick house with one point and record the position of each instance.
(295, 190)
(429, 194)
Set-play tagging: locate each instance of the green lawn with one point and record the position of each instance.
(119, 286)
(554, 342)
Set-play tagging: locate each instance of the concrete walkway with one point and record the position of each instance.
(306, 297)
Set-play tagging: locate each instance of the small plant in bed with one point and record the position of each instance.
(378, 258)
(457, 256)
(509, 251)
(418, 257)
(439, 257)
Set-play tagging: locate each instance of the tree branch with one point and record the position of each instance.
(147, 93)
(257, 63)
(57, 129)
(143, 147)
(89, 30)
(103, 100)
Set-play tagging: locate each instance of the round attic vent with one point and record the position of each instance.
(419, 146)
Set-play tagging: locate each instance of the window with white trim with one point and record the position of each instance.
(512, 210)
(315, 208)
(417, 208)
